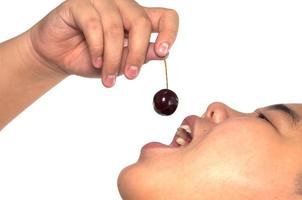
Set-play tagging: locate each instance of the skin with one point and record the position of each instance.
(233, 155)
(90, 38)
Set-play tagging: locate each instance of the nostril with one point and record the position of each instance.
(217, 112)
(212, 114)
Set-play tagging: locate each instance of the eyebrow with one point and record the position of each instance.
(287, 110)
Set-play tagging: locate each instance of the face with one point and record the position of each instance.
(224, 154)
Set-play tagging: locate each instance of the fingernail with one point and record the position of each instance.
(132, 72)
(164, 48)
(109, 80)
(98, 62)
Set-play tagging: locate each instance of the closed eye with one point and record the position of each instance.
(263, 117)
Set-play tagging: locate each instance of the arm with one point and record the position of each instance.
(84, 38)
(22, 79)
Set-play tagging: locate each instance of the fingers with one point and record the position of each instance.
(113, 40)
(91, 26)
(165, 22)
(139, 30)
(151, 55)
(140, 22)
(103, 23)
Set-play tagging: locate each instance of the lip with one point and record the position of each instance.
(155, 145)
(189, 120)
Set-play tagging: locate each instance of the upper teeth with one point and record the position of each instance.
(187, 128)
(184, 135)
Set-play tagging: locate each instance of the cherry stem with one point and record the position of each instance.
(166, 70)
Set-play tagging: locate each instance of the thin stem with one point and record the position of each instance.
(166, 70)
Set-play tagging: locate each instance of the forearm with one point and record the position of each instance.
(23, 78)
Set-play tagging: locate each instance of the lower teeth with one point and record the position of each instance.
(180, 141)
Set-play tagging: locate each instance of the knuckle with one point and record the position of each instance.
(73, 5)
(143, 21)
(111, 65)
(115, 29)
(172, 13)
(138, 60)
(92, 23)
(96, 48)
(111, 69)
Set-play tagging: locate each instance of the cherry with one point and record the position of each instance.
(165, 102)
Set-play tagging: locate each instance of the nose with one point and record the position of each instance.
(218, 112)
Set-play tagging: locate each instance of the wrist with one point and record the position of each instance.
(34, 62)
(23, 77)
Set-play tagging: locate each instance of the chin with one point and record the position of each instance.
(129, 183)
(137, 182)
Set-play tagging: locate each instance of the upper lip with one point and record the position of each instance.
(187, 126)
(190, 121)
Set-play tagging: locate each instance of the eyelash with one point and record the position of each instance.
(262, 116)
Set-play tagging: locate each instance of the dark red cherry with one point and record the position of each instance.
(165, 102)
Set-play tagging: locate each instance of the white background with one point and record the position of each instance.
(73, 142)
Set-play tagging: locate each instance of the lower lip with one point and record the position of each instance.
(154, 145)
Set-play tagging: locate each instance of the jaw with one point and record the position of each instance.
(141, 182)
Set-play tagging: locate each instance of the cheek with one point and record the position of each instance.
(244, 156)
(242, 140)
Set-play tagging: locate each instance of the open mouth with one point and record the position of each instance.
(182, 137)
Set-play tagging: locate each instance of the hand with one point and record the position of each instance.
(87, 38)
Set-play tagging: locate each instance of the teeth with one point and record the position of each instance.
(180, 141)
(186, 128)
(184, 134)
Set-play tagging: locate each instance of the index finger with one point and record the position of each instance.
(165, 22)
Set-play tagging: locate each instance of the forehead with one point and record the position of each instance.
(297, 107)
